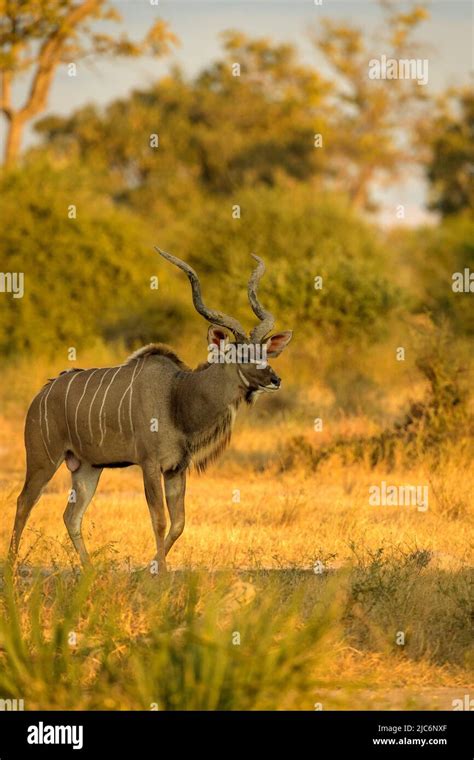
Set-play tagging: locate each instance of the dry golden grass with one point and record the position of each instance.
(275, 520)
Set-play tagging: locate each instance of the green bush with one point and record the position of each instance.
(436, 254)
(300, 235)
(82, 275)
(88, 278)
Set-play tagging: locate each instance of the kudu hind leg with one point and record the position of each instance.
(154, 497)
(84, 484)
(34, 483)
(175, 488)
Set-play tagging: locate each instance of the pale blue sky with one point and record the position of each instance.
(447, 39)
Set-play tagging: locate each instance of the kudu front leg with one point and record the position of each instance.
(175, 489)
(154, 497)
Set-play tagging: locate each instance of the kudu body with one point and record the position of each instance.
(152, 411)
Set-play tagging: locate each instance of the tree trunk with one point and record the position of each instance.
(13, 141)
(360, 192)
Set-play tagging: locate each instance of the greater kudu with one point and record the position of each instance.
(153, 411)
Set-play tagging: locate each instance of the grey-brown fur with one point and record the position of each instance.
(152, 411)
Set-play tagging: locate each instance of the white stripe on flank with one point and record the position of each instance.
(41, 412)
(129, 388)
(77, 407)
(46, 404)
(41, 427)
(75, 374)
(95, 394)
(130, 410)
(102, 432)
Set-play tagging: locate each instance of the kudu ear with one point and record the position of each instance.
(216, 335)
(276, 343)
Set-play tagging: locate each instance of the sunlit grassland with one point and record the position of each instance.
(245, 568)
(248, 519)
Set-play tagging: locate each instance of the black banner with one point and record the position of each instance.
(365, 734)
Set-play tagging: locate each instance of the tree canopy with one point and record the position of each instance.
(36, 36)
(450, 161)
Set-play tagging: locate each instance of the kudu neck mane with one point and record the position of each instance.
(204, 404)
